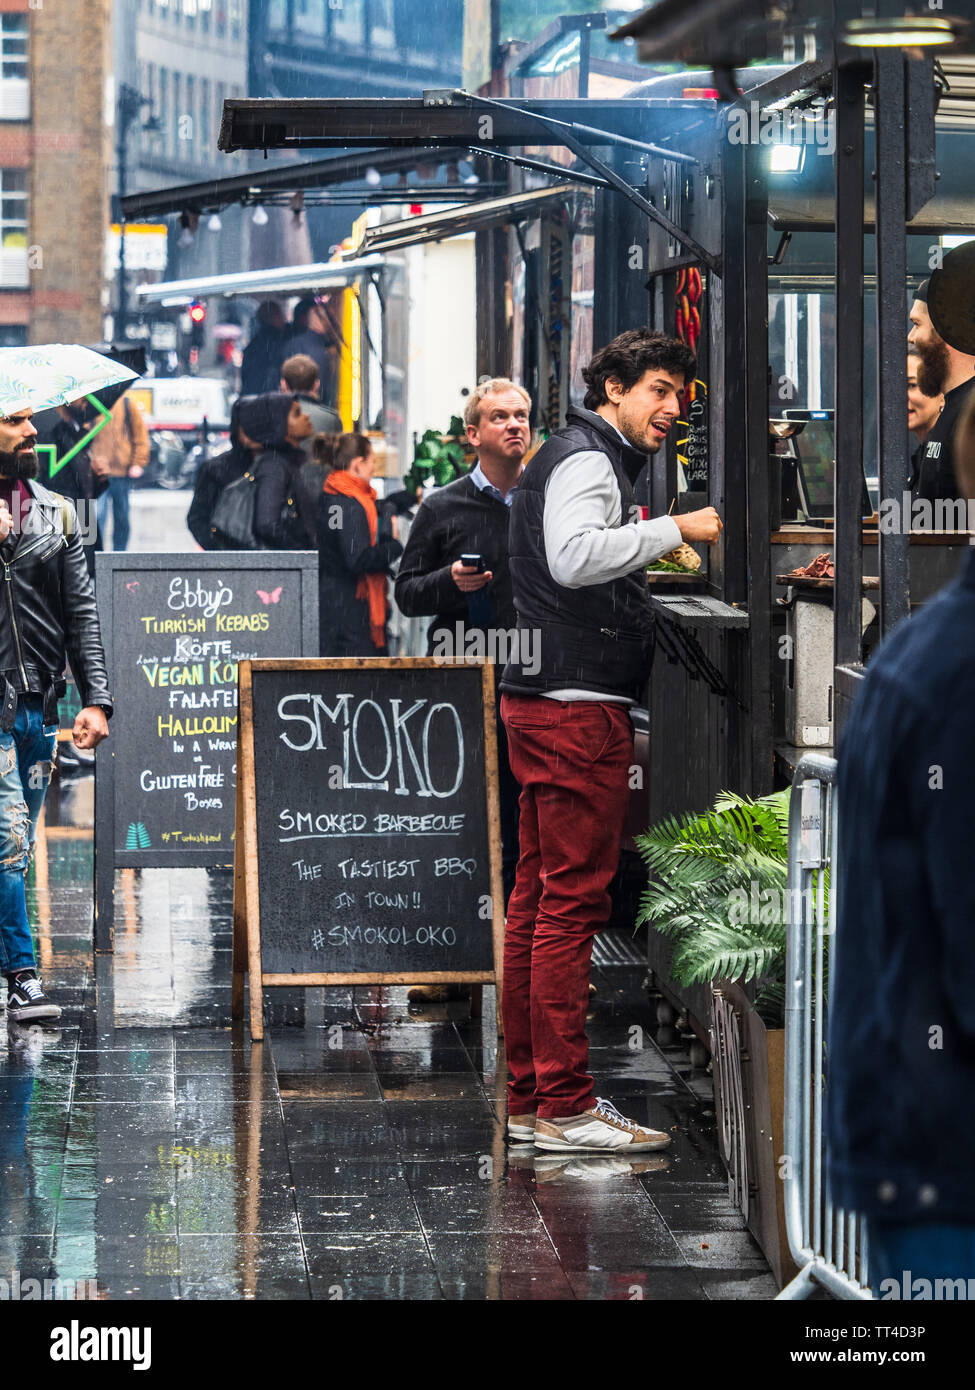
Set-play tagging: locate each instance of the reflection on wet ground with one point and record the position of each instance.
(148, 1150)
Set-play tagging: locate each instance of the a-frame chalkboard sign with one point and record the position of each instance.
(368, 846)
(175, 627)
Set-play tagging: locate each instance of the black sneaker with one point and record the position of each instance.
(26, 1001)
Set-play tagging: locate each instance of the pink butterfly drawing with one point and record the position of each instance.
(273, 597)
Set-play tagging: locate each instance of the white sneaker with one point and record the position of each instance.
(521, 1128)
(602, 1129)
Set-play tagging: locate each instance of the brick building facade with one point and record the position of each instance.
(54, 169)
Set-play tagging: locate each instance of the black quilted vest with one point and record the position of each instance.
(599, 637)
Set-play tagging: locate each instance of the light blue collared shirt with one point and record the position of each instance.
(483, 484)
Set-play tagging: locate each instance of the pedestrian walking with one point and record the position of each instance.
(319, 339)
(122, 447)
(578, 551)
(299, 376)
(901, 1054)
(356, 548)
(49, 619)
(262, 357)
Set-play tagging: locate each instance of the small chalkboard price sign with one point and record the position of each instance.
(368, 847)
(175, 628)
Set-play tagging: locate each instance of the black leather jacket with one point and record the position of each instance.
(48, 612)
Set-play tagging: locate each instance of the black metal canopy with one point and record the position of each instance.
(280, 180)
(439, 119)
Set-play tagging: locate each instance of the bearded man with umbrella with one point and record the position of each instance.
(48, 619)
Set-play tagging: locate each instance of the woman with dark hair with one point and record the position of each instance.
(284, 510)
(356, 548)
(214, 474)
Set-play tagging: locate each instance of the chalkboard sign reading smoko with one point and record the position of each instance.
(175, 629)
(368, 846)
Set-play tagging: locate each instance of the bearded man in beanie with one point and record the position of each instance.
(943, 370)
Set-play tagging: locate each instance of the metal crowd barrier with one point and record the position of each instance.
(828, 1245)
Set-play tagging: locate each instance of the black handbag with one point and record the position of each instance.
(233, 515)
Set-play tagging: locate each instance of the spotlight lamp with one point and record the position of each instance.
(908, 31)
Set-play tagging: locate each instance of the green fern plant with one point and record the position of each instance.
(718, 891)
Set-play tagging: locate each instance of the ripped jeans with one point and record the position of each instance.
(26, 763)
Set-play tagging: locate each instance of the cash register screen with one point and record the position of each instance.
(816, 456)
(816, 452)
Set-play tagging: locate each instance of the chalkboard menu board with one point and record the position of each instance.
(175, 628)
(368, 847)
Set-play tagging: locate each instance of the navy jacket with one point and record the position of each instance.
(901, 1059)
(456, 520)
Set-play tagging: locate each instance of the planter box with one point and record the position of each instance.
(749, 1094)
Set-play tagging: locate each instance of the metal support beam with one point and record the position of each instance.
(212, 194)
(565, 134)
(757, 678)
(848, 535)
(726, 474)
(542, 166)
(921, 173)
(894, 547)
(490, 276)
(620, 298)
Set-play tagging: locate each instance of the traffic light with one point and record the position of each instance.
(198, 314)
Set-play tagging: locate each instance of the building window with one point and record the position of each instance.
(205, 115)
(13, 228)
(382, 33)
(177, 144)
(14, 81)
(347, 23)
(276, 17)
(310, 18)
(13, 335)
(164, 110)
(189, 133)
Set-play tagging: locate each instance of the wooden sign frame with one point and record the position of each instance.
(247, 907)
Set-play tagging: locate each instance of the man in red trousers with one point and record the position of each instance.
(578, 552)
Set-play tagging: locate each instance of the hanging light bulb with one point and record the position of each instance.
(373, 177)
(259, 216)
(214, 224)
(188, 222)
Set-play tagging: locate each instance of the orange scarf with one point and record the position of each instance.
(371, 587)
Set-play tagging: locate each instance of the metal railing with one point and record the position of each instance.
(828, 1245)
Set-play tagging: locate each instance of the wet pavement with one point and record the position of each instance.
(149, 1150)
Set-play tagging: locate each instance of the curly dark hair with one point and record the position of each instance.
(629, 356)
